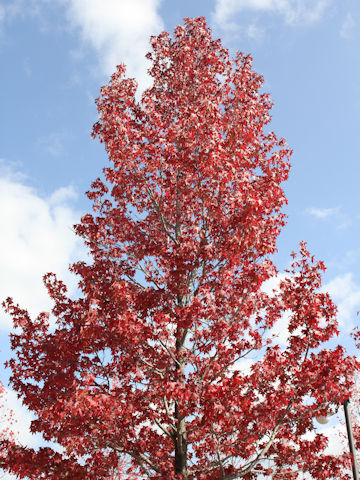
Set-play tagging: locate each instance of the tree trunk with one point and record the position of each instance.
(180, 462)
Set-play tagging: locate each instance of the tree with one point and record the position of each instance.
(148, 365)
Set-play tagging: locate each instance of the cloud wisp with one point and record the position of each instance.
(323, 213)
(347, 26)
(339, 219)
(293, 12)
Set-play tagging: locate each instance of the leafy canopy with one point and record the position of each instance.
(167, 363)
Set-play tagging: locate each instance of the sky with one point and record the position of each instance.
(56, 54)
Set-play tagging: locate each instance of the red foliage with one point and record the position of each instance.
(148, 366)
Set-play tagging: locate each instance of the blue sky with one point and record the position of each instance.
(56, 54)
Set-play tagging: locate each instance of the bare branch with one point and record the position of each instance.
(167, 433)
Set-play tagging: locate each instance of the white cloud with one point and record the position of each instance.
(280, 330)
(21, 419)
(36, 238)
(337, 438)
(322, 212)
(244, 366)
(346, 293)
(347, 26)
(293, 11)
(119, 31)
(7, 476)
(273, 283)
